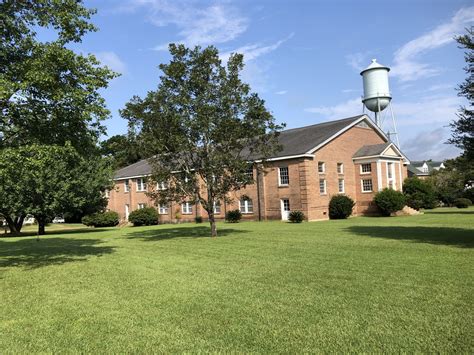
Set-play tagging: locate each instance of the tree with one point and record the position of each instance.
(419, 193)
(48, 93)
(201, 127)
(122, 149)
(463, 129)
(50, 180)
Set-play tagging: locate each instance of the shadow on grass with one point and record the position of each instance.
(463, 238)
(180, 232)
(31, 254)
(81, 230)
(451, 212)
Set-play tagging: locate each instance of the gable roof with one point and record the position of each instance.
(296, 142)
(416, 167)
(371, 150)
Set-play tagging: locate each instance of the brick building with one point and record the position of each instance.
(350, 156)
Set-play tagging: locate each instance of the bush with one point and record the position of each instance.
(296, 217)
(104, 219)
(233, 216)
(389, 201)
(462, 203)
(147, 216)
(419, 193)
(340, 207)
(198, 219)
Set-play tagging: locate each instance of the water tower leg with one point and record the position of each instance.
(394, 124)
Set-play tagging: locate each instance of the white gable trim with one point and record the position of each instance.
(362, 118)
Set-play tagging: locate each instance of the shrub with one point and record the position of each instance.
(419, 193)
(147, 216)
(389, 201)
(340, 207)
(198, 219)
(296, 217)
(233, 216)
(462, 203)
(101, 219)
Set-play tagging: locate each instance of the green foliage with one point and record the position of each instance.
(389, 201)
(198, 219)
(340, 207)
(296, 217)
(147, 216)
(101, 219)
(462, 203)
(233, 216)
(49, 181)
(419, 193)
(449, 183)
(463, 129)
(122, 149)
(207, 121)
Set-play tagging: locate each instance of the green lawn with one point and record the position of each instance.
(361, 285)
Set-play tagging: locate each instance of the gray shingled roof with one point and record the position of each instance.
(371, 150)
(296, 141)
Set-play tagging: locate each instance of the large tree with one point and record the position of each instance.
(122, 149)
(50, 180)
(202, 127)
(463, 127)
(48, 93)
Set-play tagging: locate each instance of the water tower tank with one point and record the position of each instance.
(376, 91)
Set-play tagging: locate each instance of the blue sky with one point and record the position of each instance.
(302, 57)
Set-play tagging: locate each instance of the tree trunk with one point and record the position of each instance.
(212, 221)
(41, 225)
(14, 225)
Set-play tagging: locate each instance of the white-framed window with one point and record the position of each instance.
(341, 186)
(161, 185)
(186, 208)
(390, 170)
(391, 175)
(126, 185)
(141, 184)
(322, 186)
(107, 193)
(249, 173)
(163, 209)
(283, 176)
(321, 167)
(340, 168)
(217, 207)
(367, 185)
(246, 205)
(141, 205)
(286, 205)
(365, 168)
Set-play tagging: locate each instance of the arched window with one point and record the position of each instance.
(246, 205)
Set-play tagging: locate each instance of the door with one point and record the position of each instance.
(285, 209)
(127, 212)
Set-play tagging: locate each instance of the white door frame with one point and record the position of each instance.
(127, 211)
(284, 212)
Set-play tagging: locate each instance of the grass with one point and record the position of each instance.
(400, 284)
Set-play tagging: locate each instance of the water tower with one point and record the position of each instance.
(377, 95)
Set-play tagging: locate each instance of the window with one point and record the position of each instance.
(366, 168)
(217, 207)
(391, 175)
(340, 168)
(162, 209)
(389, 170)
(107, 193)
(246, 205)
(126, 186)
(141, 205)
(341, 186)
(286, 205)
(321, 167)
(186, 208)
(141, 184)
(283, 176)
(367, 185)
(249, 173)
(161, 185)
(322, 186)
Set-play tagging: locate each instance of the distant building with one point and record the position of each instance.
(424, 168)
(352, 156)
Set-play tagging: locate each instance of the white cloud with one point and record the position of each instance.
(112, 60)
(196, 24)
(281, 92)
(357, 60)
(430, 145)
(253, 51)
(348, 108)
(406, 64)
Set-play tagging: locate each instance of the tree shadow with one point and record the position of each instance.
(33, 254)
(463, 238)
(157, 234)
(78, 230)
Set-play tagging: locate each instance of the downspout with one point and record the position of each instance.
(258, 195)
